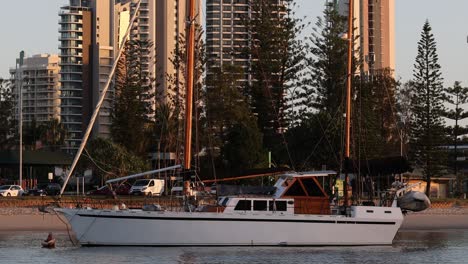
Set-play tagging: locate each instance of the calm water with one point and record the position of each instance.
(409, 247)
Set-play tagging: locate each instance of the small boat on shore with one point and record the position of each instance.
(48, 244)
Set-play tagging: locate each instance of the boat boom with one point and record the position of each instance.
(143, 174)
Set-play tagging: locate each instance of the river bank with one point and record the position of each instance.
(31, 219)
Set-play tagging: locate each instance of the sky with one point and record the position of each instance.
(32, 26)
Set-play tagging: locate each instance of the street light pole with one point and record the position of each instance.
(19, 83)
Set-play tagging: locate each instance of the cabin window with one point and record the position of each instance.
(280, 206)
(369, 211)
(388, 212)
(243, 205)
(295, 190)
(151, 183)
(312, 188)
(260, 205)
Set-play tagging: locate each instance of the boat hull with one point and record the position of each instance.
(142, 228)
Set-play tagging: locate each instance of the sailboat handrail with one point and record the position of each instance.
(144, 174)
(101, 99)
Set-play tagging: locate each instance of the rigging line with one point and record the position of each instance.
(313, 150)
(210, 143)
(334, 117)
(392, 108)
(323, 136)
(364, 142)
(93, 161)
(68, 227)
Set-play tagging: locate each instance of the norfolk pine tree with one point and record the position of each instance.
(427, 127)
(6, 114)
(230, 122)
(457, 96)
(321, 100)
(132, 106)
(277, 60)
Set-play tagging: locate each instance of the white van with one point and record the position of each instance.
(151, 187)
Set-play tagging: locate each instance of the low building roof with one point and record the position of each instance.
(36, 157)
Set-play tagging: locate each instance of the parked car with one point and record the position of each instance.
(149, 187)
(11, 190)
(196, 189)
(45, 189)
(120, 189)
(177, 191)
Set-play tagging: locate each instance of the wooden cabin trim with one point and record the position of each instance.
(303, 187)
(320, 186)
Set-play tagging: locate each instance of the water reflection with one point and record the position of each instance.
(409, 247)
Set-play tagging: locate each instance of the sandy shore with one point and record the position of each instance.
(436, 219)
(30, 219)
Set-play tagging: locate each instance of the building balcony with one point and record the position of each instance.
(70, 29)
(79, 55)
(70, 46)
(71, 80)
(60, 38)
(69, 12)
(71, 71)
(70, 21)
(143, 15)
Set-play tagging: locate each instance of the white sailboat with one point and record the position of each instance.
(299, 213)
(278, 220)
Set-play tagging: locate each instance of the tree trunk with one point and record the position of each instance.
(428, 185)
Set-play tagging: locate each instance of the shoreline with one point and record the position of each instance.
(31, 219)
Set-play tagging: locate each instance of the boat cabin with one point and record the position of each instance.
(307, 191)
(295, 193)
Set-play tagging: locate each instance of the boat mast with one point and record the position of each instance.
(189, 92)
(348, 102)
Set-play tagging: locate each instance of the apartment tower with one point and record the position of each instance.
(171, 23)
(90, 36)
(89, 33)
(75, 75)
(227, 34)
(375, 24)
(40, 88)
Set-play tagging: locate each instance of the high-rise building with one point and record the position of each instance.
(90, 33)
(171, 23)
(144, 29)
(90, 36)
(110, 22)
(75, 74)
(38, 81)
(375, 26)
(227, 34)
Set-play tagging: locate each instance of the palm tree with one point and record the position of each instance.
(53, 134)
